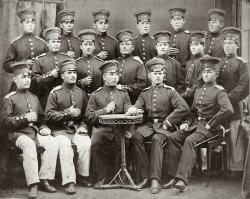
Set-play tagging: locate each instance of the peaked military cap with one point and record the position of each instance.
(67, 64)
(198, 36)
(87, 34)
(210, 62)
(231, 33)
(143, 15)
(101, 14)
(65, 15)
(162, 36)
(21, 67)
(52, 33)
(155, 65)
(124, 35)
(216, 13)
(177, 12)
(26, 14)
(109, 66)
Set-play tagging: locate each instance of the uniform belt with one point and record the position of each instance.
(69, 123)
(157, 120)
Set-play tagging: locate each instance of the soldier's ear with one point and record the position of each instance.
(60, 25)
(14, 79)
(94, 25)
(149, 75)
(222, 23)
(62, 76)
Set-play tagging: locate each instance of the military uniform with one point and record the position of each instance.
(25, 134)
(162, 105)
(233, 76)
(103, 135)
(211, 107)
(64, 126)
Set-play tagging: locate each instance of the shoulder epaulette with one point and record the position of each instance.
(219, 87)
(172, 58)
(135, 38)
(208, 36)
(120, 89)
(113, 38)
(77, 38)
(187, 31)
(99, 59)
(41, 55)
(100, 88)
(56, 89)
(78, 88)
(78, 58)
(15, 39)
(152, 37)
(10, 94)
(145, 89)
(241, 59)
(40, 39)
(137, 58)
(65, 54)
(169, 87)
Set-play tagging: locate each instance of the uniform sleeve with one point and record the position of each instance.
(181, 109)
(10, 57)
(41, 117)
(84, 106)
(241, 91)
(126, 102)
(226, 109)
(8, 120)
(180, 78)
(140, 102)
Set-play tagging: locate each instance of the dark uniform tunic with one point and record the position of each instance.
(133, 75)
(89, 66)
(144, 47)
(233, 76)
(71, 43)
(107, 43)
(56, 114)
(13, 115)
(103, 135)
(42, 79)
(211, 106)
(214, 45)
(161, 105)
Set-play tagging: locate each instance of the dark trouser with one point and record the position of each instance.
(189, 155)
(142, 161)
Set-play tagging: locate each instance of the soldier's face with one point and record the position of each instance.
(126, 47)
(162, 48)
(196, 48)
(209, 75)
(87, 47)
(67, 26)
(111, 78)
(69, 76)
(143, 27)
(177, 22)
(101, 26)
(54, 45)
(28, 25)
(156, 77)
(215, 25)
(230, 47)
(22, 81)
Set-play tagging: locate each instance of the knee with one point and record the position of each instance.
(157, 140)
(84, 143)
(26, 144)
(189, 141)
(136, 137)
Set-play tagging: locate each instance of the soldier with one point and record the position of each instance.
(105, 100)
(106, 46)
(144, 44)
(180, 37)
(163, 108)
(22, 117)
(173, 75)
(211, 107)
(132, 73)
(70, 44)
(193, 77)
(234, 78)
(88, 74)
(45, 70)
(214, 40)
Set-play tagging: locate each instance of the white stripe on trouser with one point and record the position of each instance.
(66, 154)
(48, 157)
(30, 164)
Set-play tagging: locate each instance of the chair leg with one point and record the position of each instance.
(199, 160)
(10, 169)
(209, 151)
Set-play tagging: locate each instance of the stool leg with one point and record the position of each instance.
(209, 151)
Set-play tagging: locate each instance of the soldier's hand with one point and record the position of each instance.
(110, 107)
(54, 73)
(82, 130)
(45, 131)
(184, 127)
(131, 111)
(164, 127)
(119, 86)
(207, 126)
(30, 61)
(86, 81)
(71, 54)
(173, 51)
(31, 117)
(74, 112)
(128, 135)
(102, 54)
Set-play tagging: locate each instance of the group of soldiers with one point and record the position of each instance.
(185, 83)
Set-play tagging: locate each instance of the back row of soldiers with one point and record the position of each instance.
(53, 65)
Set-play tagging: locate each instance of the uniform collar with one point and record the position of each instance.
(209, 85)
(68, 86)
(88, 57)
(144, 36)
(126, 56)
(163, 56)
(25, 91)
(180, 30)
(109, 88)
(215, 34)
(157, 86)
(28, 35)
(102, 34)
(53, 53)
(68, 35)
(231, 56)
(198, 56)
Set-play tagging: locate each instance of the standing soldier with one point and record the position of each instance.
(106, 100)
(163, 108)
(70, 44)
(214, 40)
(65, 114)
(88, 74)
(106, 46)
(173, 75)
(193, 77)
(22, 117)
(211, 108)
(45, 70)
(234, 78)
(180, 37)
(131, 70)
(144, 44)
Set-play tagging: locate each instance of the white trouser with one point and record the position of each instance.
(30, 163)
(66, 154)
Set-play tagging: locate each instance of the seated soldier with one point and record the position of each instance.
(22, 117)
(163, 108)
(65, 115)
(212, 106)
(105, 100)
